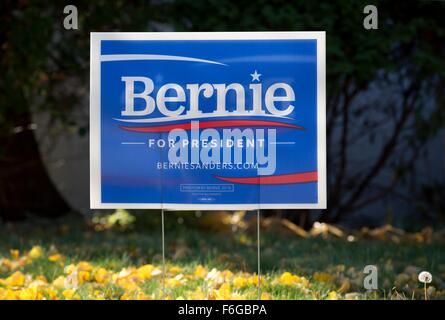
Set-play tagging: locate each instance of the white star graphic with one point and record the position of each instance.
(255, 76)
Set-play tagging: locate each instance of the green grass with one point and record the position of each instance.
(188, 244)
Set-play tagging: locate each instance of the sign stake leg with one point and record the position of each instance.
(163, 253)
(258, 254)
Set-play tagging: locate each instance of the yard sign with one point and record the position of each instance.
(205, 121)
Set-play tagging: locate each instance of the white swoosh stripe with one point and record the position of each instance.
(190, 117)
(127, 57)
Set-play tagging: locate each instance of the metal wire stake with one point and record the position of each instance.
(163, 254)
(258, 254)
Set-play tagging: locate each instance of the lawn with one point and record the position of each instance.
(77, 258)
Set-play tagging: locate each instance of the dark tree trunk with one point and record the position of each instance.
(25, 186)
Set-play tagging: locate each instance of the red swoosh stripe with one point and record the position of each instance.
(213, 124)
(303, 177)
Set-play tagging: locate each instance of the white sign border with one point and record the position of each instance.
(95, 103)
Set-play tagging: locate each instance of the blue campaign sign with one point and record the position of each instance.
(207, 121)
